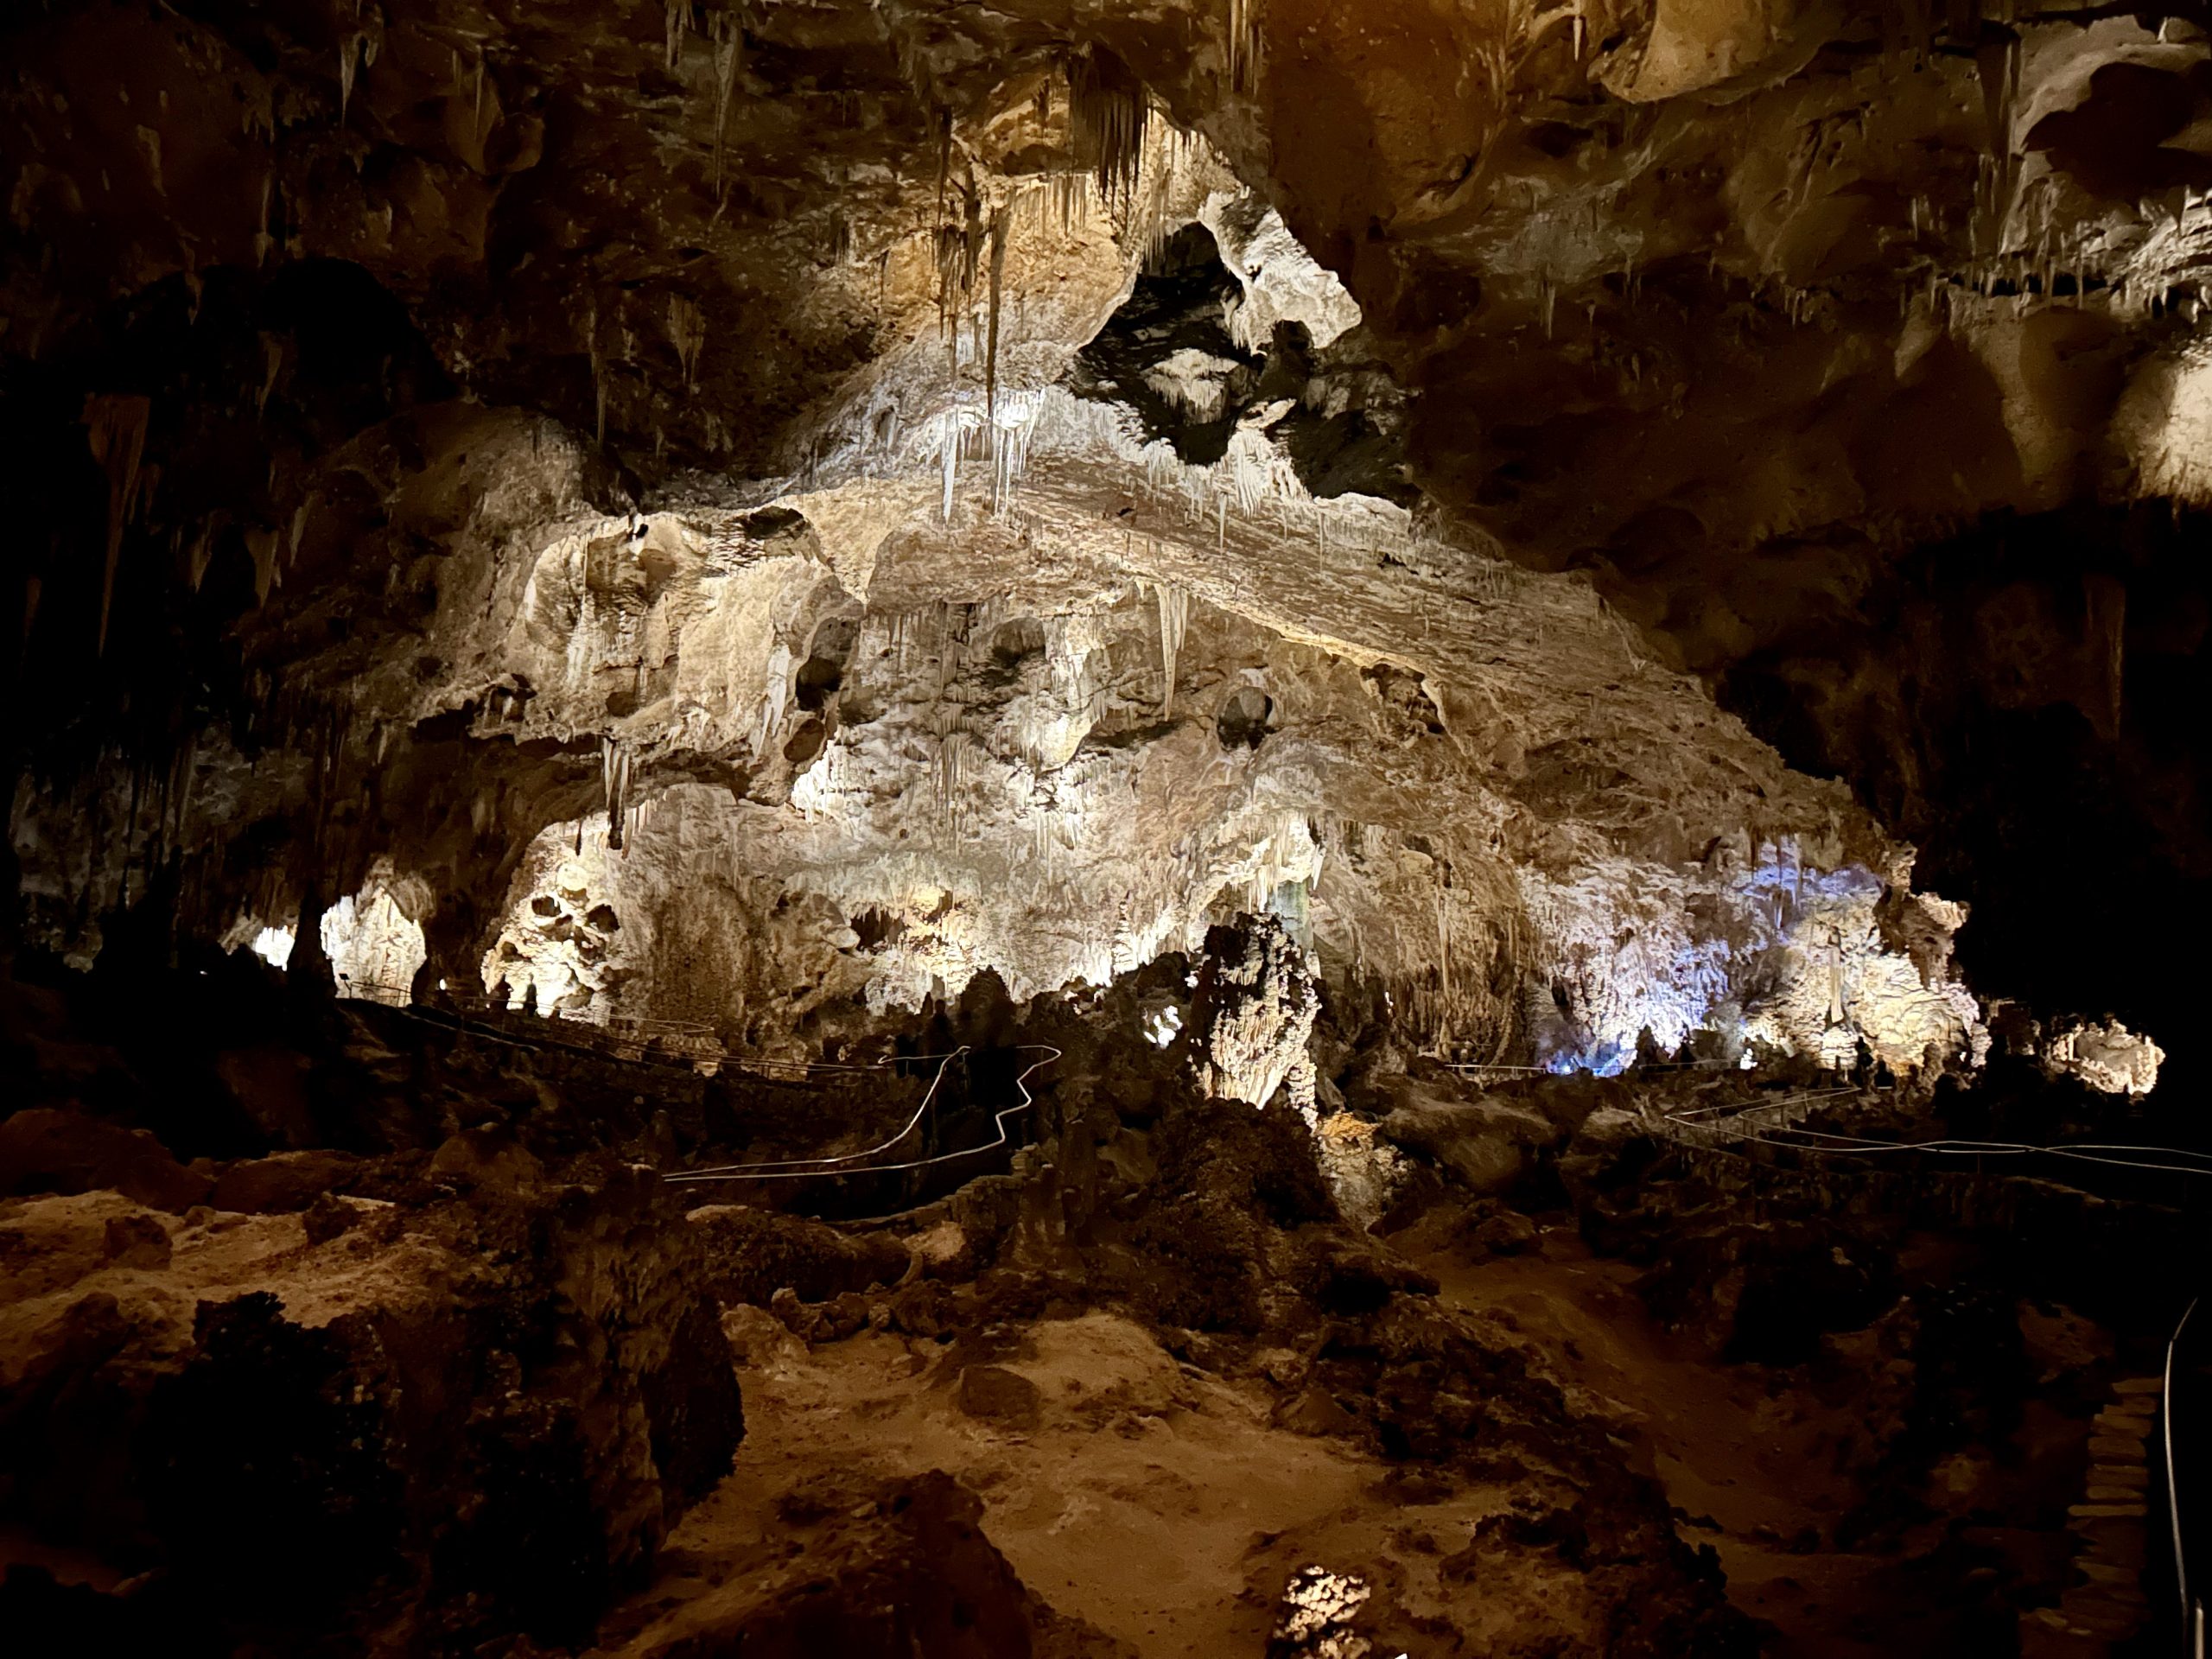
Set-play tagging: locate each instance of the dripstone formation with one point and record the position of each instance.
(1236, 826)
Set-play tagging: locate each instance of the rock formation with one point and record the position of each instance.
(805, 677)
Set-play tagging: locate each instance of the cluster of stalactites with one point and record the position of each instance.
(1244, 43)
(1108, 112)
(997, 433)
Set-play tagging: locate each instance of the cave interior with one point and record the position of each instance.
(1045, 828)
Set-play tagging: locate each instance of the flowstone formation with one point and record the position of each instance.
(1010, 492)
(1046, 677)
(844, 745)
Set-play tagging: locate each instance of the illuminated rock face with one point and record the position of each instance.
(1049, 681)
(1314, 561)
(1291, 468)
(2109, 1057)
(374, 947)
(1039, 744)
(1260, 997)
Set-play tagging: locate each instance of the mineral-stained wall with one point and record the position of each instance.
(851, 495)
(1060, 713)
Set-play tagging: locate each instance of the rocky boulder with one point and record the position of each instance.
(443, 1421)
(879, 1572)
(753, 1254)
(51, 1149)
(1489, 1143)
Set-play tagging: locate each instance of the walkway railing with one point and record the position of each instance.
(2185, 1466)
(1783, 1124)
(1780, 1123)
(856, 1163)
(634, 1038)
(624, 1036)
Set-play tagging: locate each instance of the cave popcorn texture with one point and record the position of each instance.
(1793, 958)
(970, 691)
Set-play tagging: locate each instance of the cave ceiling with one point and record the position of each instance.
(853, 494)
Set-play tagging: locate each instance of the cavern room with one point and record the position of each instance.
(1105, 829)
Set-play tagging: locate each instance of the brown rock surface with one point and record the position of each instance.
(398, 1424)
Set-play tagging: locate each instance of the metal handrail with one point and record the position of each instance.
(617, 1024)
(1747, 1123)
(2192, 1609)
(827, 1167)
(799, 1166)
(787, 1169)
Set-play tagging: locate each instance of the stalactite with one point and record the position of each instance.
(959, 252)
(614, 776)
(261, 547)
(678, 20)
(199, 553)
(272, 363)
(1068, 199)
(1108, 112)
(1244, 44)
(728, 38)
(775, 693)
(687, 332)
(1174, 605)
(1999, 65)
(346, 48)
(301, 516)
(115, 424)
(998, 283)
(597, 355)
(971, 234)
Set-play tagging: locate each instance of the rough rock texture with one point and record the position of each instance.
(1043, 540)
(1487, 1144)
(882, 1572)
(1170, 1363)
(752, 1255)
(1313, 539)
(419, 1422)
(1257, 1000)
(2109, 1057)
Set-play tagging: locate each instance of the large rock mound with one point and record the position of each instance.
(375, 1423)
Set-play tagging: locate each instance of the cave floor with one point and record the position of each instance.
(1743, 1468)
(1166, 1506)
(1149, 1499)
